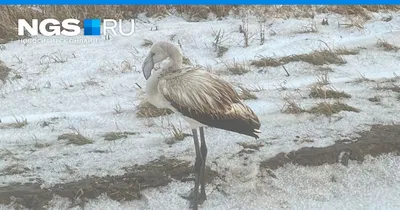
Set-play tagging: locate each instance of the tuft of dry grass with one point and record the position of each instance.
(386, 46)
(237, 68)
(345, 51)
(325, 69)
(246, 94)
(55, 57)
(112, 136)
(41, 145)
(253, 146)
(14, 169)
(393, 87)
(177, 135)
(75, 138)
(319, 91)
(328, 109)
(19, 123)
(147, 43)
(146, 109)
(375, 99)
(318, 58)
(362, 79)
(291, 106)
(249, 148)
(4, 71)
(221, 51)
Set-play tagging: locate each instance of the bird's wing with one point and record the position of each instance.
(209, 100)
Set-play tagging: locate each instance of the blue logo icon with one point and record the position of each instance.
(91, 27)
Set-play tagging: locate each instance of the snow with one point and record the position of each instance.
(94, 79)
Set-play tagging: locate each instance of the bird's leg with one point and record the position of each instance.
(202, 196)
(197, 170)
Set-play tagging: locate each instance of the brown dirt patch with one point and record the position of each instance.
(381, 139)
(120, 188)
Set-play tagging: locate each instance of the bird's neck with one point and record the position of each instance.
(175, 59)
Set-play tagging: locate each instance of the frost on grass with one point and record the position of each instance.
(19, 123)
(318, 58)
(328, 109)
(126, 187)
(112, 136)
(386, 46)
(318, 91)
(237, 68)
(75, 138)
(291, 106)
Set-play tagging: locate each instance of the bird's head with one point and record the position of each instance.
(158, 52)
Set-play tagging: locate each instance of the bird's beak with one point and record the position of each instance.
(148, 66)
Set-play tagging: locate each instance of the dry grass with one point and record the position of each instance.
(14, 169)
(221, 51)
(147, 43)
(392, 87)
(41, 145)
(4, 71)
(237, 68)
(249, 148)
(55, 57)
(345, 51)
(177, 135)
(75, 138)
(246, 94)
(375, 99)
(318, 58)
(146, 109)
(328, 109)
(291, 106)
(319, 91)
(19, 123)
(362, 79)
(386, 46)
(112, 136)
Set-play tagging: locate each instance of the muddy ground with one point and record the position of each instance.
(123, 187)
(381, 139)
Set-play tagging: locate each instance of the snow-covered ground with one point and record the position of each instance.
(96, 78)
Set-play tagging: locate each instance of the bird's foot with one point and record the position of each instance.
(190, 197)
